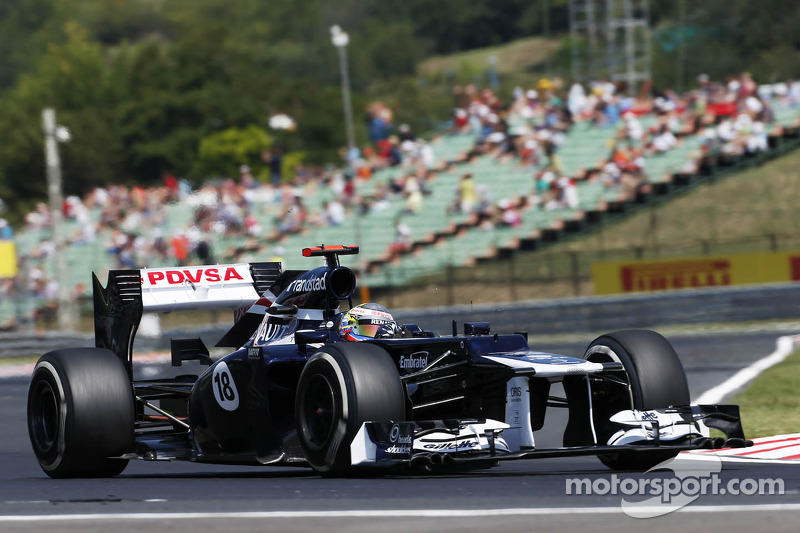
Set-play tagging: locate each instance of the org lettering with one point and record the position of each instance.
(412, 363)
(452, 445)
(311, 284)
(398, 450)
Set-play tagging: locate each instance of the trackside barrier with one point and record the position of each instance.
(605, 313)
(780, 301)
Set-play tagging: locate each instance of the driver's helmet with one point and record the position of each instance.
(367, 321)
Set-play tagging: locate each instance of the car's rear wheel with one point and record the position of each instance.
(342, 386)
(80, 413)
(654, 378)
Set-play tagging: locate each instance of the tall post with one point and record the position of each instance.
(66, 307)
(611, 39)
(340, 40)
(573, 37)
(630, 46)
(591, 30)
(546, 32)
(348, 106)
(682, 47)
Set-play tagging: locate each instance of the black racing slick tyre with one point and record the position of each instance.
(342, 386)
(655, 380)
(81, 413)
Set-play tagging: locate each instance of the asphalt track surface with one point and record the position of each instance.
(515, 496)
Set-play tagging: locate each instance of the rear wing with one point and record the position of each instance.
(118, 306)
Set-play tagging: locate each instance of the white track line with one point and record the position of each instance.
(391, 513)
(784, 346)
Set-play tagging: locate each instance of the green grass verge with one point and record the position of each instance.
(514, 57)
(18, 360)
(771, 404)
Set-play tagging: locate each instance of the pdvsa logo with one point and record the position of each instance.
(192, 275)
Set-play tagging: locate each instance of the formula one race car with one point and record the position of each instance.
(346, 391)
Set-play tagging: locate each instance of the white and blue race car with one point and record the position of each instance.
(347, 390)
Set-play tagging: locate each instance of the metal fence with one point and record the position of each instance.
(601, 313)
(556, 273)
(567, 315)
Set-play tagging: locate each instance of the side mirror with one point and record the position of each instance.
(282, 310)
(476, 328)
(310, 336)
(414, 330)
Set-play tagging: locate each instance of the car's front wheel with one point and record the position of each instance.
(342, 386)
(653, 379)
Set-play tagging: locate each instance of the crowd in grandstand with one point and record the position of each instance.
(732, 118)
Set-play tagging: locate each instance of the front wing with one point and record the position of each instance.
(439, 442)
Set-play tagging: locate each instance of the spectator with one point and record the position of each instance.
(277, 254)
(246, 177)
(334, 212)
(274, 161)
(379, 122)
(405, 133)
(467, 193)
(204, 252)
(633, 128)
(663, 141)
(402, 239)
(510, 214)
(294, 217)
(173, 191)
(576, 101)
(461, 123)
(6, 233)
(413, 193)
(564, 195)
(181, 248)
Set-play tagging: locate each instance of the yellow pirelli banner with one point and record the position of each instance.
(695, 272)
(8, 259)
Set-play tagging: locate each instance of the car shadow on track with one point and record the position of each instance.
(508, 470)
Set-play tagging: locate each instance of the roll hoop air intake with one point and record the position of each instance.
(341, 282)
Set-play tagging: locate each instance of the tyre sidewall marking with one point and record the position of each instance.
(302, 407)
(341, 426)
(62, 414)
(223, 379)
(339, 376)
(608, 351)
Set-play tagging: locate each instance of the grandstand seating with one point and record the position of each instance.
(440, 238)
(585, 147)
(659, 167)
(7, 312)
